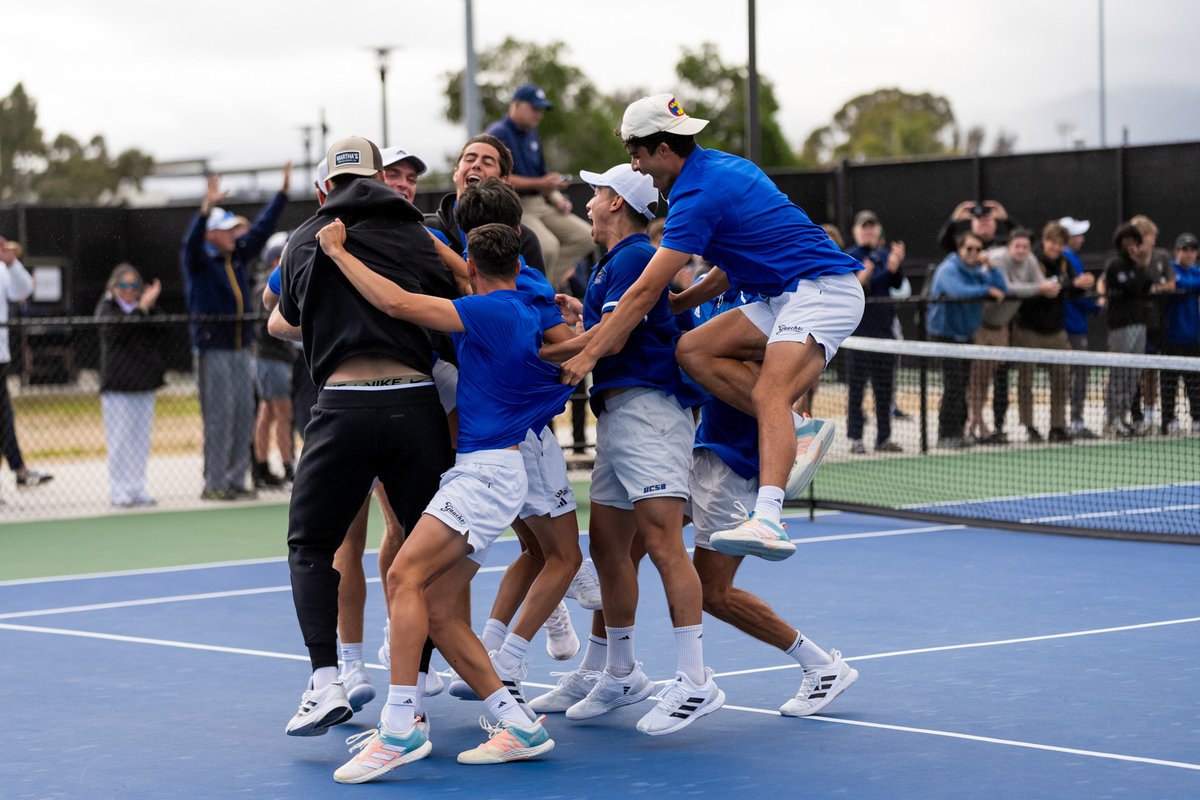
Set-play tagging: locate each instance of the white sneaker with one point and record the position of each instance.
(385, 649)
(813, 438)
(753, 537)
(320, 710)
(572, 687)
(821, 684)
(584, 588)
(611, 692)
(359, 690)
(681, 704)
(561, 641)
(434, 685)
(460, 688)
(511, 678)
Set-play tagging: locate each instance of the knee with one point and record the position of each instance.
(716, 600)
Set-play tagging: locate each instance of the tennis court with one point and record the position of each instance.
(993, 664)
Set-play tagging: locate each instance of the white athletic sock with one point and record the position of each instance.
(494, 632)
(401, 709)
(689, 652)
(620, 651)
(769, 504)
(596, 655)
(323, 677)
(807, 654)
(351, 652)
(512, 653)
(504, 708)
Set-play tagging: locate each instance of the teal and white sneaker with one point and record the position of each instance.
(813, 438)
(380, 751)
(753, 537)
(509, 742)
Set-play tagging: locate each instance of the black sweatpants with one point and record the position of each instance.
(399, 435)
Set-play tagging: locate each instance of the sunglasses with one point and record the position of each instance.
(129, 284)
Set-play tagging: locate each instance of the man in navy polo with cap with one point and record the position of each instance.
(565, 238)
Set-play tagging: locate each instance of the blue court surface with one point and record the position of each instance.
(993, 665)
(1137, 509)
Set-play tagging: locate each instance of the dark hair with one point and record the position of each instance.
(494, 248)
(1021, 233)
(506, 157)
(678, 144)
(489, 200)
(1055, 231)
(962, 237)
(345, 179)
(1126, 231)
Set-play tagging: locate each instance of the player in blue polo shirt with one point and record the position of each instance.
(503, 390)
(727, 210)
(644, 434)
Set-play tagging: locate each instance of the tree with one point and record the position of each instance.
(20, 137)
(577, 133)
(65, 171)
(887, 123)
(715, 91)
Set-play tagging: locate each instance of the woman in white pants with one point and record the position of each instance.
(131, 369)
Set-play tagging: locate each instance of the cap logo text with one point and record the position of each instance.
(347, 157)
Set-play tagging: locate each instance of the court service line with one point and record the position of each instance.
(971, 645)
(985, 739)
(1125, 512)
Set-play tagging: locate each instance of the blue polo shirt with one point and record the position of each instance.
(648, 357)
(541, 293)
(526, 147)
(504, 389)
(731, 435)
(728, 210)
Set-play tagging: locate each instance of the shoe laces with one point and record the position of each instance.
(582, 675)
(741, 514)
(361, 741)
(559, 620)
(675, 694)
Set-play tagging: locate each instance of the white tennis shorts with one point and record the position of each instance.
(828, 309)
(715, 489)
(550, 492)
(643, 448)
(445, 380)
(480, 496)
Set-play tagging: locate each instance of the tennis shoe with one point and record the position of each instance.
(385, 649)
(681, 704)
(572, 687)
(584, 588)
(460, 688)
(753, 537)
(561, 641)
(320, 709)
(379, 751)
(820, 685)
(359, 690)
(509, 742)
(813, 438)
(434, 685)
(611, 692)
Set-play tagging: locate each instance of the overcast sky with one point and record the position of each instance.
(232, 82)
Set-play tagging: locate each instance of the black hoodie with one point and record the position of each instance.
(385, 232)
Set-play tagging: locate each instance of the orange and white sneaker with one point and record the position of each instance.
(753, 537)
(813, 437)
(380, 751)
(509, 742)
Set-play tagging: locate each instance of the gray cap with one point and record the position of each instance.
(354, 155)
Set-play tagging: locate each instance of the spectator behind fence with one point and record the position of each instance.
(987, 219)
(565, 237)
(1039, 323)
(1157, 263)
(960, 275)
(218, 250)
(1075, 320)
(273, 359)
(16, 285)
(880, 275)
(131, 369)
(1183, 335)
(1126, 287)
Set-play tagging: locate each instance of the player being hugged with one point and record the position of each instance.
(503, 389)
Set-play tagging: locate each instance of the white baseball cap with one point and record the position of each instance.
(394, 155)
(322, 176)
(1075, 227)
(220, 219)
(634, 187)
(659, 113)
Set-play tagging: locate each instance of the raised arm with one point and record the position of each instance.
(429, 312)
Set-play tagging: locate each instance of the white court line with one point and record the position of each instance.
(971, 645)
(878, 534)
(985, 739)
(1126, 512)
(858, 723)
(1069, 493)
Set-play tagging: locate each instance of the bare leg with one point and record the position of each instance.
(659, 523)
(558, 539)
(262, 431)
(519, 576)
(739, 608)
(281, 416)
(352, 590)
(612, 532)
(789, 369)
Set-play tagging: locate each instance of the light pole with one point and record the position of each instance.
(753, 129)
(472, 111)
(381, 52)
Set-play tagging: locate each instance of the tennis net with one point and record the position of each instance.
(1080, 451)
